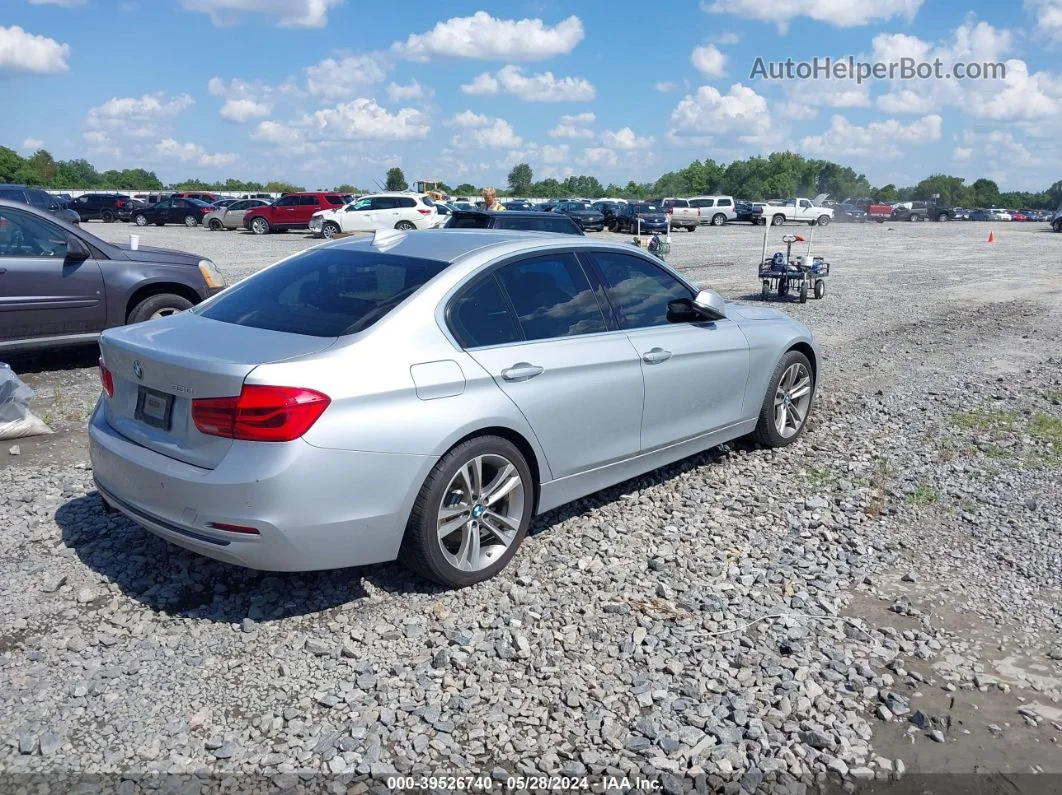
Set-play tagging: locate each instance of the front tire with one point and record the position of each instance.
(820, 289)
(107, 217)
(140, 219)
(216, 225)
(471, 514)
(824, 220)
(787, 403)
(1057, 226)
(765, 291)
(156, 306)
(943, 217)
(260, 226)
(329, 230)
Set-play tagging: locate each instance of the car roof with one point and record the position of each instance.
(450, 245)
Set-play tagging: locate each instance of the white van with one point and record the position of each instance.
(715, 210)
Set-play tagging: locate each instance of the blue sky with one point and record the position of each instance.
(327, 91)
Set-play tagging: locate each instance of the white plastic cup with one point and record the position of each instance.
(134, 242)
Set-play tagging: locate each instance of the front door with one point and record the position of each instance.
(42, 293)
(578, 384)
(694, 373)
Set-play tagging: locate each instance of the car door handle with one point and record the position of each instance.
(521, 371)
(656, 356)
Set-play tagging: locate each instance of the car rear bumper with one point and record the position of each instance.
(314, 508)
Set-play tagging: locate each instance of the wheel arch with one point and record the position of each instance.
(159, 288)
(527, 450)
(809, 351)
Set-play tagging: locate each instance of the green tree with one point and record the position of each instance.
(1054, 193)
(887, 193)
(520, 179)
(549, 188)
(465, 189)
(986, 193)
(282, 187)
(396, 180)
(346, 188)
(77, 174)
(952, 190)
(10, 164)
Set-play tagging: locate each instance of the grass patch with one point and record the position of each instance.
(923, 495)
(1046, 428)
(819, 477)
(1053, 396)
(995, 451)
(1002, 421)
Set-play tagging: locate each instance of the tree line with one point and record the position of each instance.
(778, 175)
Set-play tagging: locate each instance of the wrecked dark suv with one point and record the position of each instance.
(60, 285)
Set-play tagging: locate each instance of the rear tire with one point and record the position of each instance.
(405, 226)
(765, 292)
(820, 289)
(804, 291)
(107, 217)
(718, 219)
(190, 221)
(691, 228)
(767, 431)
(160, 305)
(429, 553)
(777, 220)
(943, 217)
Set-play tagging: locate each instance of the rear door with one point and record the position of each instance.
(305, 208)
(694, 373)
(577, 383)
(176, 212)
(42, 293)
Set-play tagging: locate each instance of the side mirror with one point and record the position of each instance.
(76, 250)
(706, 307)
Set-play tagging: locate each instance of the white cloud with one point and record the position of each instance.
(32, 145)
(346, 76)
(878, 139)
(185, 152)
(727, 38)
(483, 37)
(1020, 96)
(709, 60)
(21, 51)
(709, 113)
(61, 3)
(147, 110)
(242, 110)
(1048, 14)
(961, 153)
(598, 156)
(625, 139)
(481, 131)
(665, 85)
(358, 120)
(409, 92)
(831, 94)
(543, 87)
(840, 13)
(574, 126)
(287, 13)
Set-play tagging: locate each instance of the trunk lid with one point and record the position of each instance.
(161, 365)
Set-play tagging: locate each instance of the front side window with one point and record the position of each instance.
(639, 289)
(242, 205)
(308, 201)
(480, 317)
(360, 204)
(552, 297)
(165, 205)
(287, 201)
(323, 292)
(25, 235)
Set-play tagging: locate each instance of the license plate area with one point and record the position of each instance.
(154, 408)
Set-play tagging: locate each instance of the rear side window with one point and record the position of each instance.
(323, 292)
(481, 317)
(552, 297)
(726, 203)
(13, 195)
(406, 202)
(335, 200)
(703, 203)
(464, 221)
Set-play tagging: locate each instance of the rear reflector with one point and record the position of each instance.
(106, 379)
(234, 528)
(260, 413)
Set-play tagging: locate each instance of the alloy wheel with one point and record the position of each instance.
(792, 399)
(480, 512)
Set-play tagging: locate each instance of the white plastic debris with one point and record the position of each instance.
(16, 419)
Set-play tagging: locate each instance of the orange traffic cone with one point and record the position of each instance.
(991, 237)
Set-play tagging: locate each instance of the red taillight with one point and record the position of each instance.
(205, 210)
(106, 379)
(119, 203)
(260, 413)
(670, 210)
(424, 211)
(234, 528)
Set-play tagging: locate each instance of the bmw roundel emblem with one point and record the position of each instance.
(138, 371)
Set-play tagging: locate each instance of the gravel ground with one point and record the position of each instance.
(881, 600)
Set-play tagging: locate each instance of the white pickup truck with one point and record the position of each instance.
(679, 213)
(801, 210)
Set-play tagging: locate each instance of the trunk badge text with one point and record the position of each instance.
(138, 371)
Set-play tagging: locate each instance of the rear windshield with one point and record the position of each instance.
(324, 292)
(644, 208)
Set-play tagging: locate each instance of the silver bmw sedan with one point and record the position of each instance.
(422, 395)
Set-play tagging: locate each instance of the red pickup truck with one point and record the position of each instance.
(290, 211)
